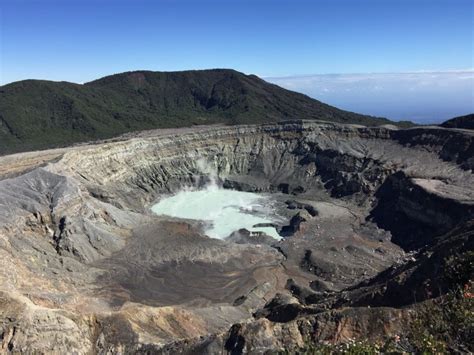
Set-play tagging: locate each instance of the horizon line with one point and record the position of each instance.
(428, 71)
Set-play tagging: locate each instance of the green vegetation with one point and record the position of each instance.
(445, 324)
(466, 122)
(36, 114)
(349, 348)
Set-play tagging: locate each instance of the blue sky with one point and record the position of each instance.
(424, 97)
(82, 40)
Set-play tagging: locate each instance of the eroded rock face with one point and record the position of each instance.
(414, 214)
(90, 257)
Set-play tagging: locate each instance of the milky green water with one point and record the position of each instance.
(226, 210)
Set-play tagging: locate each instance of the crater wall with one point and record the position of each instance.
(88, 252)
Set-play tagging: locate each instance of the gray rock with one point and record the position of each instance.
(86, 267)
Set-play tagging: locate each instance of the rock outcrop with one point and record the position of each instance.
(86, 267)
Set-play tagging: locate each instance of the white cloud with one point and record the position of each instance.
(423, 95)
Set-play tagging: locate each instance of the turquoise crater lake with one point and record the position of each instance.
(226, 210)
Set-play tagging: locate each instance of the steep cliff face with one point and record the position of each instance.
(450, 145)
(89, 253)
(415, 210)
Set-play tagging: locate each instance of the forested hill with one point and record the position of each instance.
(466, 122)
(38, 114)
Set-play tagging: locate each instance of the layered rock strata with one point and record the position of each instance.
(86, 266)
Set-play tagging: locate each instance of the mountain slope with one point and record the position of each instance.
(36, 114)
(466, 122)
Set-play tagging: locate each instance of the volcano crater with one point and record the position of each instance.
(347, 202)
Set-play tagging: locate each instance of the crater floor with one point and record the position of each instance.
(86, 266)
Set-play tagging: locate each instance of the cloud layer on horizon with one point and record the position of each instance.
(424, 97)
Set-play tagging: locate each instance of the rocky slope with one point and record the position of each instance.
(95, 271)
